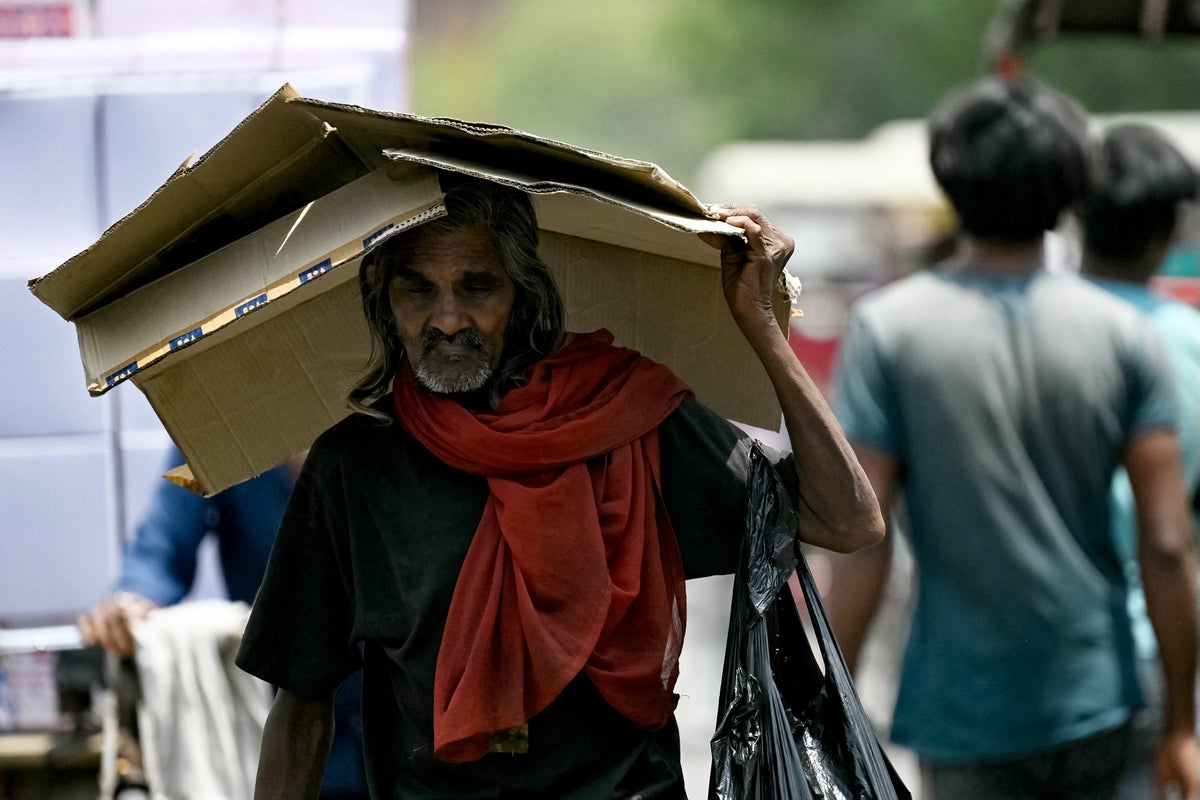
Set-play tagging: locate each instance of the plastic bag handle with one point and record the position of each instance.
(804, 592)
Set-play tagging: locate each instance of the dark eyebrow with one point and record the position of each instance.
(483, 274)
(409, 275)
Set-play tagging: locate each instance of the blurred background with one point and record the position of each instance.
(810, 108)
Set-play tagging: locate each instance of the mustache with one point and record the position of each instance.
(470, 337)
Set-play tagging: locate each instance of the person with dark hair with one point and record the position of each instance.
(1000, 398)
(1129, 224)
(1132, 217)
(1010, 159)
(500, 538)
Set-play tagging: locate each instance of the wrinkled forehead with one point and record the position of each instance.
(477, 239)
(423, 247)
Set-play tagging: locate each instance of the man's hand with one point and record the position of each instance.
(1175, 767)
(750, 270)
(836, 506)
(109, 624)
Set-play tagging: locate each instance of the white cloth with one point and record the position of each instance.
(200, 718)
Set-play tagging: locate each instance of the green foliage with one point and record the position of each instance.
(1111, 74)
(668, 80)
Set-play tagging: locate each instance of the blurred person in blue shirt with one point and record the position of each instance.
(1000, 398)
(158, 569)
(1130, 222)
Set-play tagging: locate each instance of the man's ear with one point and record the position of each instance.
(366, 273)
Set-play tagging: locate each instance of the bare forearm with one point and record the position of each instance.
(1169, 581)
(856, 588)
(858, 580)
(1167, 558)
(837, 507)
(295, 747)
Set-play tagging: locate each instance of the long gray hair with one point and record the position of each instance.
(538, 323)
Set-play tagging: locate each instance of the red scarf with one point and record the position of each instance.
(574, 566)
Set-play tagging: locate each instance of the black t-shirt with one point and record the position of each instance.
(363, 571)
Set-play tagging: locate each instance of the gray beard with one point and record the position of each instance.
(458, 382)
(467, 371)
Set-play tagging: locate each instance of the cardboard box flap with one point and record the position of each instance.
(236, 282)
(201, 207)
(245, 399)
(293, 150)
(371, 132)
(577, 209)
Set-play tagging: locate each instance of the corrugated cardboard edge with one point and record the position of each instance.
(70, 292)
(328, 263)
(230, 431)
(531, 185)
(182, 476)
(303, 124)
(244, 307)
(651, 177)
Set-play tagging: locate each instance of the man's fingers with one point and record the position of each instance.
(728, 210)
(123, 641)
(761, 235)
(111, 636)
(87, 631)
(109, 624)
(112, 631)
(733, 249)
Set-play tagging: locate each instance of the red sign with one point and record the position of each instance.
(30, 20)
(1186, 290)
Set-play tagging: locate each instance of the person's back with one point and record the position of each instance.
(1000, 398)
(1129, 224)
(1007, 411)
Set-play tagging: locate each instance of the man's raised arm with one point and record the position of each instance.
(837, 508)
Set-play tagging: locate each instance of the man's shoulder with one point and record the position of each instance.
(1177, 322)
(1092, 295)
(692, 411)
(357, 431)
(902, 303)
(907, 292)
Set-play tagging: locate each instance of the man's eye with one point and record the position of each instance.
(480, 287)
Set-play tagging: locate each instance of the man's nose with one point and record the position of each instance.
(449, 316)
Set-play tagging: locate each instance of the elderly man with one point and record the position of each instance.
(501, 536)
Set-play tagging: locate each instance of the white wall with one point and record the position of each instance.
(89, 127)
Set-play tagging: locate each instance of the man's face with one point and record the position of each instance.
(452, 304)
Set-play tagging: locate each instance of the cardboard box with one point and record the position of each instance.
(229, 296)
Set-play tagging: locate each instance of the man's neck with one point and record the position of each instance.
(1110, 272)
(478, 400)
(990, 255)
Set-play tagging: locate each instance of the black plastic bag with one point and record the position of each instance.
(785, 729)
